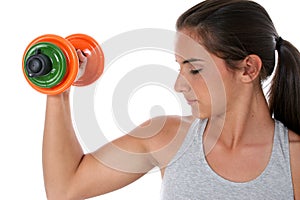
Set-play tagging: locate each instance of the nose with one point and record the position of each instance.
(181, 84)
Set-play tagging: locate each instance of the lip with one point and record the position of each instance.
(191, 101)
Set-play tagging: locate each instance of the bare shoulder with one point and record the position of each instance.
(294, 140)
(173, 124)
(168, 134)
(163, 125)
(153, 134)
(293, 137)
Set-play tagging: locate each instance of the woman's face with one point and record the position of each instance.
(204, 79)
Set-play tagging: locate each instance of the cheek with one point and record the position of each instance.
(211, 96)
(201, 91)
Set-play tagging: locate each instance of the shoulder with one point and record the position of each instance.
(154, 132)
(157, 130)
(166, 124)
(168, 135)
(294, 141)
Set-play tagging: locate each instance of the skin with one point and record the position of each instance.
(71, 174)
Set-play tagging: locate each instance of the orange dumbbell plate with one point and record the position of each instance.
(71, 58)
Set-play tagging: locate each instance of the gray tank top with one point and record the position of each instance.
(189, 177)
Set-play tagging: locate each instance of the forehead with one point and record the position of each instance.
(188, 46)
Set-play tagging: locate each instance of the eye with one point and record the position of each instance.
(195, 71)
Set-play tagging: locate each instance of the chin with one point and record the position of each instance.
(200, 115)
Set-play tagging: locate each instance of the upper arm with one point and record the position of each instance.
(295, 162)
(117, 163)
(95, 178)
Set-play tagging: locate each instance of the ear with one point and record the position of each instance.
(252, 65)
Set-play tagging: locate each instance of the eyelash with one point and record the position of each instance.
(195, 71)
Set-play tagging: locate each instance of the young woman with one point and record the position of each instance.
(235, 146)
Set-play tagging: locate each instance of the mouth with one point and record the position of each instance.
(191, 101)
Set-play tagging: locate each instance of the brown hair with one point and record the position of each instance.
(234, 29)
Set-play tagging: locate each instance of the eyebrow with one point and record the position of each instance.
(191, 60)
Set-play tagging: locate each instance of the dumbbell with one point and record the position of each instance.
(51, 64)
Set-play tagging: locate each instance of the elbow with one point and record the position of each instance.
(61, 197)
(63, 194)
(56, 196)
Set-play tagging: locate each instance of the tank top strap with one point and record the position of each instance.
(196, 128)
(281, 154)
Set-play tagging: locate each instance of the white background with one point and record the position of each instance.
(22, 109)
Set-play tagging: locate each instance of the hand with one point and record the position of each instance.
(82, 66)
(82, 63)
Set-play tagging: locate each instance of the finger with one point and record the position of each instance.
(81, 55)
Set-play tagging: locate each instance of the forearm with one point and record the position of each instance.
(62, 152)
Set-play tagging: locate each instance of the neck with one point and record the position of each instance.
(249, 118)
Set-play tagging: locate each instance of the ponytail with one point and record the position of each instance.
(284, 94)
